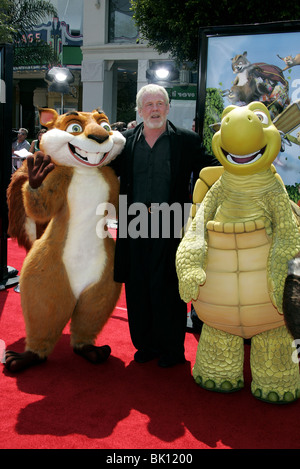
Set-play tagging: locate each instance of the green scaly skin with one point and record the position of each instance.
(275, 376)
(220, 355)
(191, 256)
(270, 202)
(220, 360)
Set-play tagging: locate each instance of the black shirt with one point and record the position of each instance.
(152, 170)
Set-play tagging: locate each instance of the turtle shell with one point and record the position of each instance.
(235, 295)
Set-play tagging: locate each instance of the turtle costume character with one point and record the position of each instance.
(233, 261)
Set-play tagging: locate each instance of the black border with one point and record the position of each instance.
(6, 58)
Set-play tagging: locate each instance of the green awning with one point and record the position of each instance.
(72, 55)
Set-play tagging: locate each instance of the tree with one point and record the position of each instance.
(174, 26)
(23, 15)
(18, 17)
(213, 111)
(34, 53)
(6, 29)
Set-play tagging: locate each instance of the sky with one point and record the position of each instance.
(70, 11)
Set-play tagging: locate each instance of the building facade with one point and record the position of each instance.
(116, 61)
(30, 88)
(99, 42)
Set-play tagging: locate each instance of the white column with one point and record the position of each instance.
(92, 76)
(94, 22)
(143, 65)
(141, 79)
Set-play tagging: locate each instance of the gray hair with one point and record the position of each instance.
(152, 89)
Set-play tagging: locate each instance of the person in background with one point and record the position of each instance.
(21, 141)
(20, 144)
(155, 168)
(35, 145)
(194, 125)
(120, 126)
(132, 125)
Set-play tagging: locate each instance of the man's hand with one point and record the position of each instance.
(38, 167)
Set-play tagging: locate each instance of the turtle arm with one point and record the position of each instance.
(285, 245)
(192, 251)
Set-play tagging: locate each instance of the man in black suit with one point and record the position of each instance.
(155, 169)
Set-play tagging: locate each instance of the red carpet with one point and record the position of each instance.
(68, 403)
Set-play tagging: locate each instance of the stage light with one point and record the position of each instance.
(59, 80)
(61, 77)
(162, 73)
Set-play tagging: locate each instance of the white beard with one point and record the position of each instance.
(155, 124)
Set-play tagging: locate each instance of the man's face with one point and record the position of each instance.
(21, 136)
(154, 110)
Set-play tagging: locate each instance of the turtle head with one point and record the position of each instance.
(247, 141)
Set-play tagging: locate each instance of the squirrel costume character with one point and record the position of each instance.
(233, 261)
(68, 272)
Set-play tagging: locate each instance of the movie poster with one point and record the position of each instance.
(259, 67)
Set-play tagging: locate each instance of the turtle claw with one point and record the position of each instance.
(272, 397)
(225, 386)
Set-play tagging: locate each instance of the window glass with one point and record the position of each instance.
(121, 24)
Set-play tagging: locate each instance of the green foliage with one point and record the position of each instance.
(294, 192)
(7, 31)
(17, 17)
(213, 110)
(174, 26)
(35, 53)
(24, 15)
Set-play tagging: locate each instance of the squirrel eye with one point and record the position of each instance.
(74, 128)
(105, 126)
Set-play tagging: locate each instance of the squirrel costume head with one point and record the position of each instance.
(81, 139)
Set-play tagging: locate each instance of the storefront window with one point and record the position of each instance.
(121, 24)
(126, 90)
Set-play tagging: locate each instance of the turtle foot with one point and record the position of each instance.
(274, 397)
(225, 386)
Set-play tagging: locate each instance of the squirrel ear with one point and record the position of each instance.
(47, 117)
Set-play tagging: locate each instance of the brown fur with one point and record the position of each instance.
(47, 299)
(17, 215)
(44, 203)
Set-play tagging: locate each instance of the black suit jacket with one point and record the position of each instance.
(187, 156)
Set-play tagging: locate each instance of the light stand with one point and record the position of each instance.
(60, 79)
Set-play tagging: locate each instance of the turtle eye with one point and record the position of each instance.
(262, 117)
(105, 126)
(74, 128)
